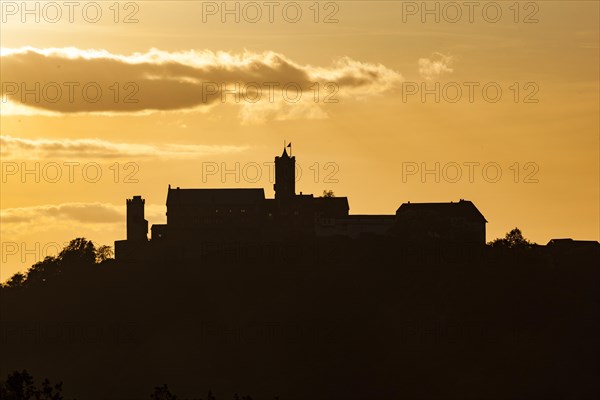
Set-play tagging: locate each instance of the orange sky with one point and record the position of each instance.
(161, 118)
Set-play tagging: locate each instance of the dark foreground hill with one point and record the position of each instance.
(335, 320)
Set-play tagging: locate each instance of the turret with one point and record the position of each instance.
(137, 226)
(285, 176)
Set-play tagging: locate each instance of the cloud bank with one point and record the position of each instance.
(19, 148)
(264, 85)
(20, 220)
(78, 212)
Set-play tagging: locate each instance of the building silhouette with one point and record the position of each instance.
(452, 221)
(199, 216)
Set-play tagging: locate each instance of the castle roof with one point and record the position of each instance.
(215, 196)
(331, 205)
(568, 242)
(463, 209)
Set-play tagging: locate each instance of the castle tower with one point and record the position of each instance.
(137, 226)
(285, 176)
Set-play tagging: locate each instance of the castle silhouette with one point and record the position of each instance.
(200, 216)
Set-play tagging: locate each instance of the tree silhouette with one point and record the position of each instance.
(513, 239)
(16, 280)
(41, 271)
(78, 251)
(328, 193)
(80, 254)
(18, 386)
(162, 393)
(104, 253)
(21, 386)
(48, 391)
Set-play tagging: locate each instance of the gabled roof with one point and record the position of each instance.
(464, 208)
(215, 196)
